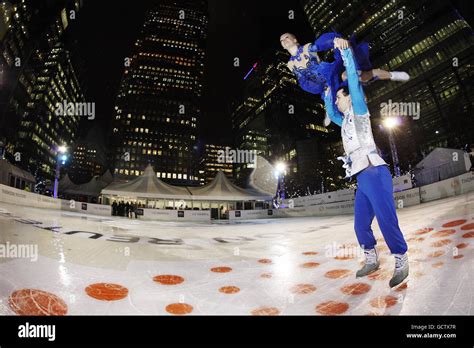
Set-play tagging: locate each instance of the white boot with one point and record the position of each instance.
(399, 76)
(401, 269)
(371, 263)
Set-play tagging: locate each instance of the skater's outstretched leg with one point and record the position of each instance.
(370, 76)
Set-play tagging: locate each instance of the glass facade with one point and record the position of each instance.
(158, 104)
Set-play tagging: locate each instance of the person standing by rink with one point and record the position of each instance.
(374, 196)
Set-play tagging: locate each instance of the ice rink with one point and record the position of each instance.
(93, 265)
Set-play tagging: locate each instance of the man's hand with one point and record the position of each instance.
(341, 43)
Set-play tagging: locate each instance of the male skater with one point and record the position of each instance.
(374, 196)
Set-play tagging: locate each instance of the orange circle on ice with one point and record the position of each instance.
(229, 289)
(310, 253)
(423, 230)
(383, 302)
(36, 302)
(221, 269)
(356, 289)
(303, 289)
(266, 311)
(441, 243)
(379, 275)
(458, 257)
(266, 275)
(107, 291)
(468, 227)
(468, 235)
(168, 279)
(265, 261)
(309, 265)
(437, 264)
(332, 308)
(179, 308)
(337, 273)
(436, 254)
(344, 257)
(454, 223)
(462, 245)
(443, 233)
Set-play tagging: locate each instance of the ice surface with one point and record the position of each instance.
(274, 266)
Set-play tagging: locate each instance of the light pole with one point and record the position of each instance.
(391, 123)
(279, 172)
(60, 160)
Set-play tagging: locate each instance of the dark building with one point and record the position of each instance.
(38, 73)
(281, 122)
(431, 41)
(158, 104)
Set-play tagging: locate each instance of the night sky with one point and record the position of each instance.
(245, 28)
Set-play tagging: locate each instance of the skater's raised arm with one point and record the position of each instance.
(334, 114)
(355, 88)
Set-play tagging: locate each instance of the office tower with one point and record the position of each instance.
(38, 75)
(158, 104)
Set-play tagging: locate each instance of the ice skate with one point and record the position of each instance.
(371, 263)
(401, 269)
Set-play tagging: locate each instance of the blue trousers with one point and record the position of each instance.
(374, 197)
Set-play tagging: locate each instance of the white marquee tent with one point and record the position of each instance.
(154, 193)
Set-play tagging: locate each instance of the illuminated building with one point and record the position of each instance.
(158, 104)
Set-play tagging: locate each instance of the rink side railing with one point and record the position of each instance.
(15, 196)
(342, 202)
(328, 204)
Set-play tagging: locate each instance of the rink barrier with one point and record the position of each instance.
(447, 188)
(176, 215)
(15, 196)
(322, 198)
(86, 208)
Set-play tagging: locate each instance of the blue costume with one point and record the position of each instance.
(315, 76)
(374, 196)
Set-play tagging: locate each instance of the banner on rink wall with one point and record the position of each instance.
(251, 214)
(447, 188)
(322, 198)
(86, 208)
(407, 198)
(179, 215)
(15, 196)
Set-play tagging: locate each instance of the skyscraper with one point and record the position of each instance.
(38, 74)
(158, 104)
